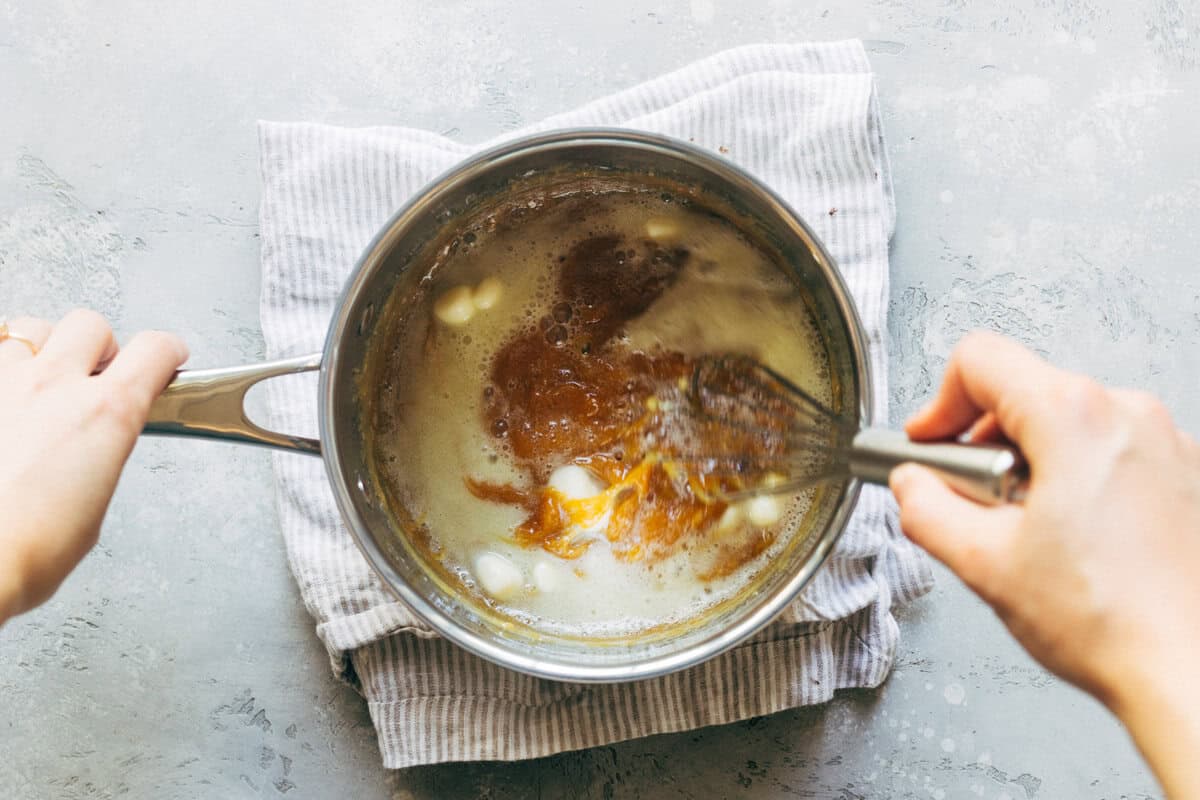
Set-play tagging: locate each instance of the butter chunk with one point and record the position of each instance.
(575, 483)
(498, 576)
(455, 307)
(763, 511)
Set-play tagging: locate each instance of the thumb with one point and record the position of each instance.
(971, 539)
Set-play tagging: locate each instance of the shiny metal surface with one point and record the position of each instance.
(210, 404)
(987, 473)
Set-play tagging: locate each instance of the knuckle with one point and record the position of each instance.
(1150, 409)
(1086, 400)
(92, 319)
(157, 341)
(117, 404)
(1084, 392)
(973, 345)
(1140, 417)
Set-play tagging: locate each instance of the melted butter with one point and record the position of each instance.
(475, 418)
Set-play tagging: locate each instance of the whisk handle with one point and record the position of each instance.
(987, 473)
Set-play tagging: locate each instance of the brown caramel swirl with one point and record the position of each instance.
(570, 390)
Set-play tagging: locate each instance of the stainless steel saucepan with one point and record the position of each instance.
(210, 404)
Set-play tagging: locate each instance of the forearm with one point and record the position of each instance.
(1161, 710)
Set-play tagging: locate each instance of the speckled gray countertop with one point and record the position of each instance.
(1048, 187)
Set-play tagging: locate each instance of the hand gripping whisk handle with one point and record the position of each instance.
(987, 473)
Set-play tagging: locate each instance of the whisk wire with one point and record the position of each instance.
(754, 424)
(761, 433)
(743, 380)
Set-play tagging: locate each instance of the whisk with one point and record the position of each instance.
(755, 422)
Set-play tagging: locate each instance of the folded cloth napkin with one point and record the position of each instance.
(803, 118)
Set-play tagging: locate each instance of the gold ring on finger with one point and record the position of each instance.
(6, 334)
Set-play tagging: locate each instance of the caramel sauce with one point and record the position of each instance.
(564, 389)
(570, 390)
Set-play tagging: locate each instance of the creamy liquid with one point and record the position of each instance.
(430, 433)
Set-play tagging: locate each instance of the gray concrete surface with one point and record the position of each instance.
(1048, 187)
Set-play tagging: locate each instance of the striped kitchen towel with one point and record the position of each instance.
(801, 117)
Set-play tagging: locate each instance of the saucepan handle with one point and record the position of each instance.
(987, 473)
(211, 404)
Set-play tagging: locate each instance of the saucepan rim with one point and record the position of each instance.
(335, 368)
